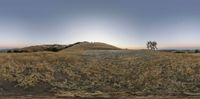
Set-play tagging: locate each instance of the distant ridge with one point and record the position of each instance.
(56, 47)
(38, 48)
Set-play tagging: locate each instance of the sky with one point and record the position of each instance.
(123, 23)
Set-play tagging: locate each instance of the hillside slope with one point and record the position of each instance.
(91, 46)
(56, 47)
(38, 48)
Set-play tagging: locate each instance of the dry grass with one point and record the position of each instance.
(147, 72)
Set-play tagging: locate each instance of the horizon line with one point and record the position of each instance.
(130, 47)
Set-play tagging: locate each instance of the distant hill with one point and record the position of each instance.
(38, 48)
(57, 47)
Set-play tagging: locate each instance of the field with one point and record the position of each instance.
(86, 73)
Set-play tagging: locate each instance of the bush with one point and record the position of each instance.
(54, 49)
(196, 51)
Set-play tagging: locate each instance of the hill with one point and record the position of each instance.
(57, 47)
(37, 48)
(91, 46)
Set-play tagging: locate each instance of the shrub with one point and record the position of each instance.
(196, 51)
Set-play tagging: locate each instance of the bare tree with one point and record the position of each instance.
(152, 45)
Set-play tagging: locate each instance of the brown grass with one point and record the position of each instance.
(147, 72)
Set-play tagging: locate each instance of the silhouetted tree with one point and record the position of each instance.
(152, 45)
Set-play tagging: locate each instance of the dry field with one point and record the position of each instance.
(100, 72)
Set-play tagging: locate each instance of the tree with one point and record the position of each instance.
(152, 45)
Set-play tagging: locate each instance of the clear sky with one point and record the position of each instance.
(123, 23)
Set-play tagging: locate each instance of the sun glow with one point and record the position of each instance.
(92, 30)
(94, 33)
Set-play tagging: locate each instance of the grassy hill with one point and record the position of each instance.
(91, 46)
(57, 47)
